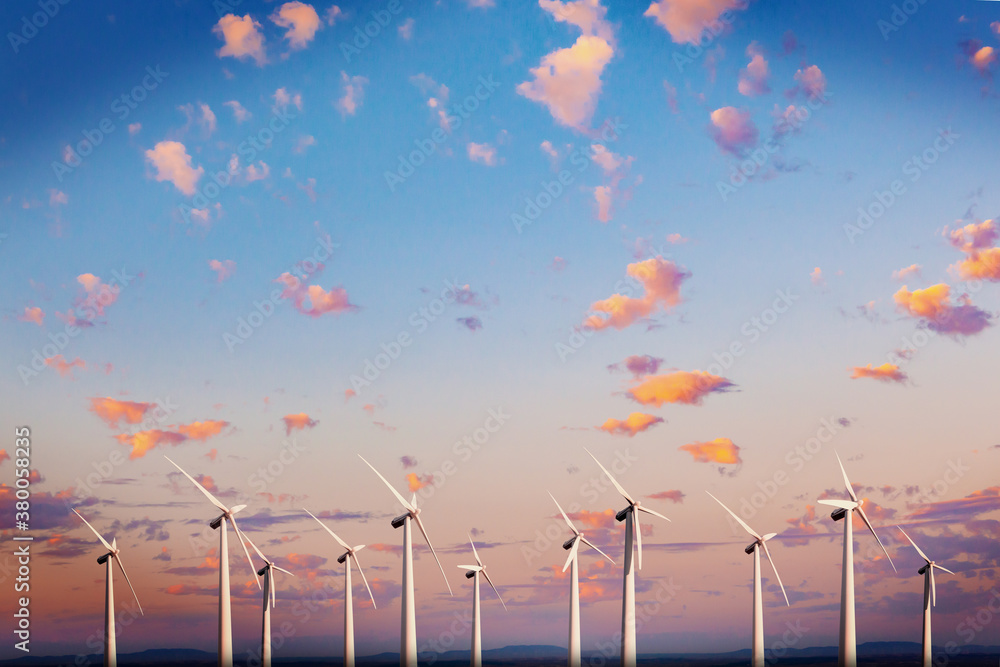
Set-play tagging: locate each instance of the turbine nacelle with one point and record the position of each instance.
(923, 570)
(623, 514)
(400, 520)
(343, 557)
(104, 559)
(261, 571)
(838, 514)
(568, 544)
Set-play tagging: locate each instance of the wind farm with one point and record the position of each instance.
(660, 333)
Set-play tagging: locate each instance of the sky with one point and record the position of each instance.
(716, 243)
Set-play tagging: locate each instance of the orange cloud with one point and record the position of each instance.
(983, 58)
(298, 422)
(974, 236)
(688, 387)
(320, 301)
(202, 430)
(661, 281)
(172, 163)
(886, 373)
(720, 450)
(686, 20)
(903, 274)
(143, 441)
(933, 304)
(242, 38)
(4, 456)
(733, 130)
(113, 411)
(301, 20)
(637, 422)
(34, 315)
(673, 495)
(417, 482)
(981, 265)
(65, 368)
(605, 519)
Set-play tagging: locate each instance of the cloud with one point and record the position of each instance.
(408, 462)
(602, 196)
(224, 268)
(172, 163)
(687, 387)
(34, 315)
(320, 301)
(933, 305)
(64, 368)
(482, 153)
(301, 20)
(983, 58)
(587, 15)
(558, 264)
(977, 502)
(733, 130)
(354, 94)
(720, 450)
(982, 262)
(470, 323)
(638, 365)
(405, 28)
(661, 281)
(753, 78)
(333, 14)
(980, 265)
(239, 113)
(113, 411)
(4, 456)
(204, 117)
(242, 38)
(672, 495)
(143, 441)
(904, 273)
(202, 430)
(811, 82)
(282, 98)
(416, 482)
(885, 373)
(97, 295)
(817, 277)
(568, 81)
(133, 129)
(298, 422)
(637, 422)
(686, 20)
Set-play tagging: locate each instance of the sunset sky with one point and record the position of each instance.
(713, 242)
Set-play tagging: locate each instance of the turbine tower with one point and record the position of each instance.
(110, 645)
(408, 621)
(351, 552)
(572, 561)
(930, 595)
(265, 640)
(760, 542)
(472, 572)
(848, 653)
(225, 612)
(632, 531)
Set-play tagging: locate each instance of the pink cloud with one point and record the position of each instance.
(320, 301)
(301, 20)
(811, 81)
(686, 20)
(172, 163)
(482, 153)
(933, 305)
(33, 315)
(298, 422)
(242, 38)
(661, 281)
(733, 130)
(63, 367)
(225, 268)
(753, 78)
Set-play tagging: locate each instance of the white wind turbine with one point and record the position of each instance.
(632, 530)
(351, 552)
(848, 653)
(930, 595)
(472, 572)
(760, 542)
(110, 645)
(225, 612)
(265, 641)
(572, 561)
(408, 621)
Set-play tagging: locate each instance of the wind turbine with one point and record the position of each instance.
(110, 645)
(472, 572)
(352, 552)
(760, 542)
(225, 613)
(848, 653)
(265, 641)
(408, 621)
(632, 530)
(572, 561)
(930, 595)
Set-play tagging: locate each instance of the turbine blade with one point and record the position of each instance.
(735, 516)
(591, 545)
(363, 578)
(420, 525)
(836, 502)
(850, 489)
(638, 535)
(237, 508)
(490, 581)
(613, 480)
(94, 531)
(474, 552)
(470, 568)
(125, 574)
(281, 569)
(211, 498)
(565, 518)
(768, 536)
(240, 536)
(339, 541)
(262, 556)
(933, 588)
(403, 501)
(864, 517)
(643, 508)
(943, 568)
(358, 548)
(776, 575)
(572, 552)
(922, 554)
